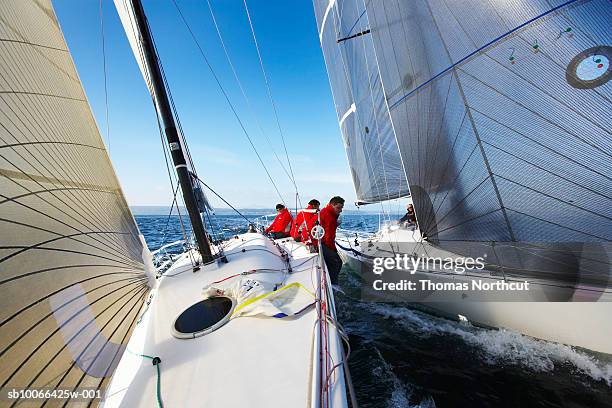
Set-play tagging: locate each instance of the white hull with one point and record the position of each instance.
(248, 362)
(583, 324)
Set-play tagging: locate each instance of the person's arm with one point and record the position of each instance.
(405, 218)
(272, 225)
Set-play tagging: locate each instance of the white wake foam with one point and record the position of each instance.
(499, 345)
(400, 396)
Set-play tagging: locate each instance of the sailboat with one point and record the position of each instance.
(244, 322)
(493, 119)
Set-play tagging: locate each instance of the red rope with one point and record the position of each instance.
(229, 277)
(238, 274)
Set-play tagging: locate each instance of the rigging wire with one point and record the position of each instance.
(225, 201)
(231, 105)
(189, 158)
(183, 140)
(163, 240)
(246, 98)
(179, 125)
(269, 89)
(212, 227)
(166, 153)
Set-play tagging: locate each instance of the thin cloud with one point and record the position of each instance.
(216, 155)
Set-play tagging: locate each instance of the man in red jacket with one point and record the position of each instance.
(329, 221)
(304, 221)
(281, 225)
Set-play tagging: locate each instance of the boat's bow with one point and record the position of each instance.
(259, 360)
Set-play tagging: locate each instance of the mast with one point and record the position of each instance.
(178, 156)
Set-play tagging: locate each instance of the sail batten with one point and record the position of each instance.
(67, 235)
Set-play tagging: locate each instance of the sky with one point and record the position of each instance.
(287, 36)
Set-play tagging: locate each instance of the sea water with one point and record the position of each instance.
(404, 357)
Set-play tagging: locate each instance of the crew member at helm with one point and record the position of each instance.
(281, 225)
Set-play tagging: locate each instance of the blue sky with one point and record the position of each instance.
(286, 32)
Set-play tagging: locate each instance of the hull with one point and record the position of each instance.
(582, 324)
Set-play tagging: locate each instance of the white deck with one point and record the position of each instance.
(249, 362)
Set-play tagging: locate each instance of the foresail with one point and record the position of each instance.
(72, 273)
(502, 114)
(367, 132)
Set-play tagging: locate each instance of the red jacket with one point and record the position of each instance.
(329, 221)
(309, 217)
(282, 222)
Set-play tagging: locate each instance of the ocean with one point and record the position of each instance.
(403, 357)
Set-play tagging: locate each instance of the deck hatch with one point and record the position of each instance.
(203, 317)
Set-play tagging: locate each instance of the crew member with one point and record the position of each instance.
(304, 221)
(281, 225)
(409, 217)
(329, 222)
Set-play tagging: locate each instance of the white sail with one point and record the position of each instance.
(501, 112)
(502, 139)
(363, 115)
(72, 272)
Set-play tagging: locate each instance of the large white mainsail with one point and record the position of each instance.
(72, 261)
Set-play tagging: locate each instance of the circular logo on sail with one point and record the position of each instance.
(590, 68)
